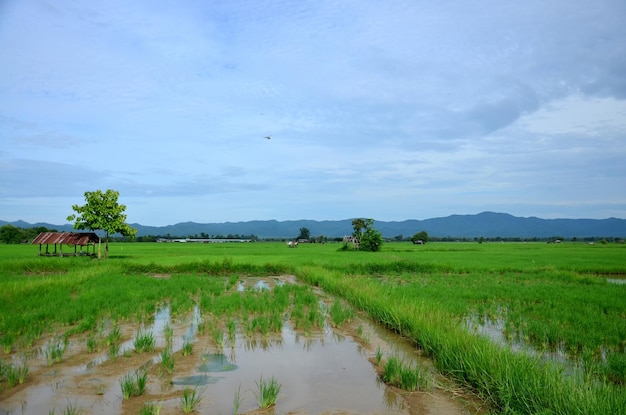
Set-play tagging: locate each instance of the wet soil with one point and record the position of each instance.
(329, 371)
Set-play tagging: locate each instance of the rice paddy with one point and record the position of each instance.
(527, 328)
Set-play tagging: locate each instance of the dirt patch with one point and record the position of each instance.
(161, 276)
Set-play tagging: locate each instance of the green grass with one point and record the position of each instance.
(404, 376)
(16, 373)
(167, 360)
(340, 314)
(237, 399)
(549, 296)
(150, 408)
(144, 341)
(267, 392)
(54, 351)
(187, 347)
(190, 400)
(133, 384)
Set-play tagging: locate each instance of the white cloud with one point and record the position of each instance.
(579, 116)
(372, 107)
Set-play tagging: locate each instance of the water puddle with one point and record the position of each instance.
(495, 330)
(327, 371)
(217, 362)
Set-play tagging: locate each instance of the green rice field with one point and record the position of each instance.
(531, 328)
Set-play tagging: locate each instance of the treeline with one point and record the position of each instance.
(154, 238)
(10, 234)
(481, 239)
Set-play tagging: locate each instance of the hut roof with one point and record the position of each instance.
(67, 238)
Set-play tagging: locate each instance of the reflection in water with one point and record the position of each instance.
(494, 329)
(265, 343)
(162, 318)
(217, 362)
(259, 285)
(196, 380)
(196, 319)
(320, 372)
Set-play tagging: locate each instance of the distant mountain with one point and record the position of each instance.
(486, 224)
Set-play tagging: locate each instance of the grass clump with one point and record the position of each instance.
(615, 368)
(340, 313)
(167, 360)
(379, 355)
(190, 400)
(267, 392)
(114, 341)
(232, 331)
(133, 384)
(187, 347)
(54, 351)
(406, 377)
(150, 408)
(92, 344)
(237, 399)
(144, 341)
(6, 342)
(16, 373)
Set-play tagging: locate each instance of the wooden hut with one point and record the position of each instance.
(76, 239)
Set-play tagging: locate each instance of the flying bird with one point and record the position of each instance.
(268, 137)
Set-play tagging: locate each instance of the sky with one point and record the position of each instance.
(390, 110)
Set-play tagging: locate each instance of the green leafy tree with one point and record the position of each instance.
(305, 233)
(369, 238)
(420, 236)
(10, 234)
(102, 212)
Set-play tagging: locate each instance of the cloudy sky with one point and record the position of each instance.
(391, 110)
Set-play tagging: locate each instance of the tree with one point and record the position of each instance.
(305, 233)
(420, 236)
(102, 212)
(369, 238)
(10, 234)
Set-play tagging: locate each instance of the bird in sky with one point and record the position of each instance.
(268, 137)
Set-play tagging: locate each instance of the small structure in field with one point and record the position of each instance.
(76, 239)
(353, 240)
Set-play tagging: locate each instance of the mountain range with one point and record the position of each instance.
(485, 224)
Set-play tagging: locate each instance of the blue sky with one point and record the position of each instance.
(394, 110)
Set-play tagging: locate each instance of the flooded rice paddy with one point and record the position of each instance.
(325, 371)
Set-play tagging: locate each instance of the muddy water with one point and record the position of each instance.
(328, 372)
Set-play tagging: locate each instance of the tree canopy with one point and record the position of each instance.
(420, 236)
(305, 233)
(10, 234)
(102, 212)
(369, 238)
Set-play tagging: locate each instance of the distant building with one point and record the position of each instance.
(203, 240)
